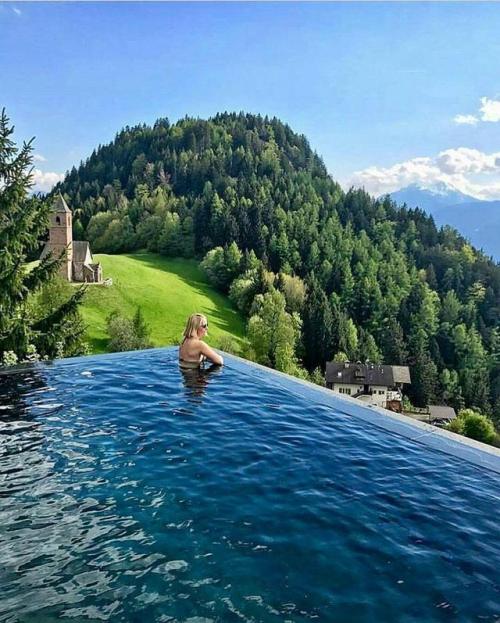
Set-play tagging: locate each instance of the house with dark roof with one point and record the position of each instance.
(441, 414)
(376, 384)
(78, 263)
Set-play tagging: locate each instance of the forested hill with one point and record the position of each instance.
(367, 278)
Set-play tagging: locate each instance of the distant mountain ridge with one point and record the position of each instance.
(477, 220)
(440, 195)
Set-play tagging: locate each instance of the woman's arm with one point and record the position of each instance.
(211, 354)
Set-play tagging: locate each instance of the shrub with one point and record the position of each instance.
(456, 426)
(317, 377)
(340, 356)
(9, 358)
(228, 345)
(473, 425)
(126, 334)
(477, 426)
(121, 333)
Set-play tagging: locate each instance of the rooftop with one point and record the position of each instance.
(60, 204)
(366, 373)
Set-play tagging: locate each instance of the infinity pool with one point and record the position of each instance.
(130, 491)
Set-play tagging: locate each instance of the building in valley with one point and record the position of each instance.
(374, 384)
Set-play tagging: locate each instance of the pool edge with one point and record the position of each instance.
(470, 450)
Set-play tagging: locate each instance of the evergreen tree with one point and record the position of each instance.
(23, 220)
(451, 390)
(367, 348)
(393, 342)
(422, 390)
(141, 329)
(317, 327)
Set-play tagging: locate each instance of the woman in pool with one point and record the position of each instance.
(193, 350)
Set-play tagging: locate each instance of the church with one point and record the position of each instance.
(78, 264)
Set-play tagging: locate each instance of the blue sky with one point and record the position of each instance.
(387, 93)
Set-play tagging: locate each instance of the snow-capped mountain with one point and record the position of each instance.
(436, 196)
(476, 220)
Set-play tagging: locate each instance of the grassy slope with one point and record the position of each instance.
(167, 291)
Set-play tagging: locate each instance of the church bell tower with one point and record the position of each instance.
(61, 236)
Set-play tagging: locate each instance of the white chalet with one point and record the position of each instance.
(374, 384)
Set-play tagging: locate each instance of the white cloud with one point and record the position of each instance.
(468, 170)
(44, 181)
(39, 158)
(16, 10)
(465, 119)
(490, 110)
(490, 192)
(465, 160)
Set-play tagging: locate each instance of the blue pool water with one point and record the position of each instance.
(132, 492)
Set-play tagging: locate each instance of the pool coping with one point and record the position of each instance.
(470, 450)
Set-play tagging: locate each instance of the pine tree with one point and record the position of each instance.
(367, 348)
(393, 343)
(317, 327)
(424, 376)
(141, 329)
(23, 220)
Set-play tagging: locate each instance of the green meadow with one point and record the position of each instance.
(167, 291)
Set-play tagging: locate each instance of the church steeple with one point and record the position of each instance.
(61, 235)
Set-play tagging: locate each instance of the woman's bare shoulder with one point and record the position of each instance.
(190, 345)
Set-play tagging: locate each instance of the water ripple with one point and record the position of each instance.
(131, 491)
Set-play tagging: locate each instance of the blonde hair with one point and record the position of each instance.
(193, 324)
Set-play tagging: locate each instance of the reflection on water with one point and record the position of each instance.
(46, 521)
(21, 434)
(197, 379)
(15, 385)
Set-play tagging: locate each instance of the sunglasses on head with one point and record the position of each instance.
(204, 326)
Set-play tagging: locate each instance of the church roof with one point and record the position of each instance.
(80, 250)
(60, 205)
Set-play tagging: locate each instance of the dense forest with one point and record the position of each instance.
(340, 274)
